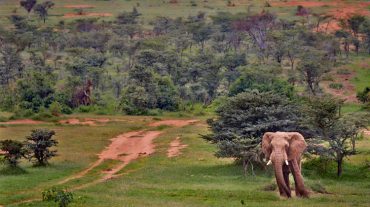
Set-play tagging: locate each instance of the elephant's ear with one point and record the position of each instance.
(266, 146)
(296, 145)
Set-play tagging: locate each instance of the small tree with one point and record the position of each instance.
(38, 145)
(12, 151)
(335, 133)
(311, 67)
(42, 9)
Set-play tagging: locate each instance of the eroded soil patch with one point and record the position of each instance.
(347, 92)
(174, 122)
(125, 148)
(86, 121)
(175, 147)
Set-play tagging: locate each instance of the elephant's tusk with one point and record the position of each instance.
(269, 162)
(286, 162)
(264, 159)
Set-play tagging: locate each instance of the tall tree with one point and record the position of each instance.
(43, 8)
(257, 27)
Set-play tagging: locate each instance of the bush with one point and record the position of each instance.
(364, 96)
(55, 108)
(336, 86)
(343, 71)
(62, 197)
(38, 145)
(13, 152)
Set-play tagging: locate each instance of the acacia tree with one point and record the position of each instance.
(334, 132)
(43, 8)
(312, 66)
(243, 119)
(258, 27)
(38, 145)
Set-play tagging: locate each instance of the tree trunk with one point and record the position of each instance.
(339, 167)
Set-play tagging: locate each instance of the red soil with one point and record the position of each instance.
(91, 14)
(79, 6)
(125, 148)
(128, 147)
(22, 121)
(366, 133)
(348, 92)
(303, 3)
(175, 123)
(175, 148)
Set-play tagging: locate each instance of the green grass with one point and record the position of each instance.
(195, 178)
(361, 66)
(152, 8)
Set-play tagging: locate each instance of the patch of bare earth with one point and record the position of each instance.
(87, 14)
(347, 92)
(175, 147)
(79, 6)
(22, 121)
(174, 122)
(126, 148)
(86, 121)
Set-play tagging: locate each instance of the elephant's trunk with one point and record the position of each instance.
(283, 188)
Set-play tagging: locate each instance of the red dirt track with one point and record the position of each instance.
(175, 123)
(175, 148)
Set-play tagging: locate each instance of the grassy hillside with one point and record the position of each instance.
(175, 8)
(194, 178)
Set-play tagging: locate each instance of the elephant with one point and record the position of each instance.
(284, 150)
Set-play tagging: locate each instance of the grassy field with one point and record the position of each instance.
(195, 178)
(153, 8)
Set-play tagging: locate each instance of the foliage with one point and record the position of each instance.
(12, 151)
(336, 85)
(42, 9)
(243, 119)
(332, 128)
(364, 96)
(35, 91)
(263, 81)
(62, 197)
(38, 145)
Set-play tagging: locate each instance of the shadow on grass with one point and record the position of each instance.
(12, 171)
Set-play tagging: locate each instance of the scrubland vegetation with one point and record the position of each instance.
(74, 76)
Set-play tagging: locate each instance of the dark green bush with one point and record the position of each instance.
(62, 197)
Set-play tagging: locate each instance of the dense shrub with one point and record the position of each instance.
(61, 197)
(13, 151)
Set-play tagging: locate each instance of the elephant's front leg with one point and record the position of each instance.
(300, 190)
(286, 172)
